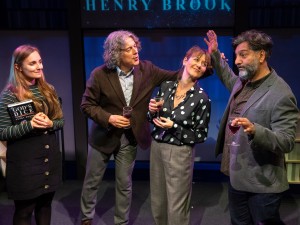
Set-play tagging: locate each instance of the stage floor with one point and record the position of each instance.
(209, 205)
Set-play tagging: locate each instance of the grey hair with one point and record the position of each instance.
(113, 45)
(257, 40)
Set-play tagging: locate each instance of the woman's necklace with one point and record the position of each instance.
(181, 91)
(180, 96)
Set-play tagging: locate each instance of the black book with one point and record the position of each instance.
(21, 111)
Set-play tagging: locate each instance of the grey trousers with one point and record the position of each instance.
(96, 165)
(171, 174)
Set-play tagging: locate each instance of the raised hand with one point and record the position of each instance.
(212, 41)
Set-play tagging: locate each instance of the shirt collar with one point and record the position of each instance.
(257, 83)
(192, 88)
(121, 73)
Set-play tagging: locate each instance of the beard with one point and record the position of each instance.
(245, 74)
(248, 72)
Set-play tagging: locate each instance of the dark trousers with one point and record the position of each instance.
(248, 208)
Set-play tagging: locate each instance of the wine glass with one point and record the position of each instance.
(127, 111)
(159, 102)
(233, 128)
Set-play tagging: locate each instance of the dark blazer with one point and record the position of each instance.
(104, 97)
(258, 165)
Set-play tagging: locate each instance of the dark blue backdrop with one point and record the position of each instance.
(167, 52)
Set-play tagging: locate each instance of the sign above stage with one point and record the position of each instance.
(157, 13)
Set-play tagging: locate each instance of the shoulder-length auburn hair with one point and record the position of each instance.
(197, 51)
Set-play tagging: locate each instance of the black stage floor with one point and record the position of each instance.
(209, 205)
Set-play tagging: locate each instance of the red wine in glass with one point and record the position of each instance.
(233, 128)
(159, 107)
(160, 102)
(127, 115)
(127, 111)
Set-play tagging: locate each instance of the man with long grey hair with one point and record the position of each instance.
(123, 80)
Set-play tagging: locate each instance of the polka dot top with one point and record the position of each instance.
(191, 117)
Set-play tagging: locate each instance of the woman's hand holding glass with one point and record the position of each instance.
(152, 106)
(155, 105)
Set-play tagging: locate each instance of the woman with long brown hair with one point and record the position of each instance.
(33, 158)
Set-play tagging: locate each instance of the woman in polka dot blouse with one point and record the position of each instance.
(182, 122)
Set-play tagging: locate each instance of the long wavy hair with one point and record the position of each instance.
(114, 44)
(17, 85)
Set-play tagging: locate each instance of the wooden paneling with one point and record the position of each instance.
(292, 159)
